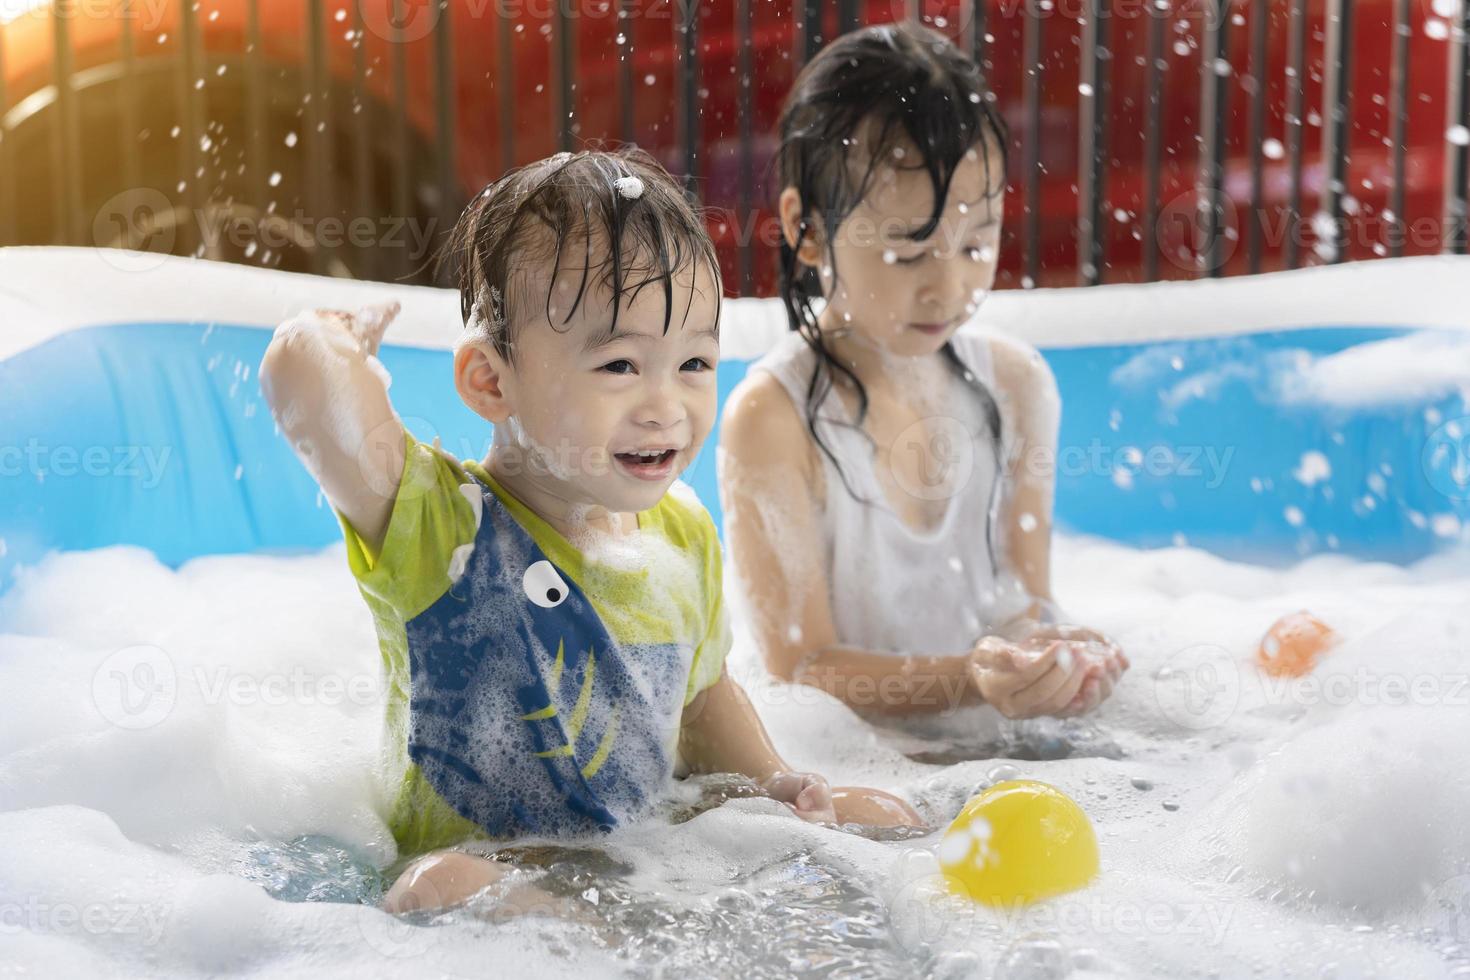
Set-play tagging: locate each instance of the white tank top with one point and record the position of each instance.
(895, 589)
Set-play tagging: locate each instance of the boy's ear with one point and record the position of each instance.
(480, 375)
(789, 207)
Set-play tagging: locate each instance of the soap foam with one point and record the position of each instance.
(1299, 831)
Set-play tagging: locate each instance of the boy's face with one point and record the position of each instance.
(909, 297)
(604, 419)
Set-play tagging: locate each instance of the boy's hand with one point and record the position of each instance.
(329, 395)
(366, 327)
(805, 792)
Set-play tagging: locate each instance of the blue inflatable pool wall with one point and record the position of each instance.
(155, 434)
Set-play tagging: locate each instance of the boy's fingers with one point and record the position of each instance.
(816, 796)
(371, 322)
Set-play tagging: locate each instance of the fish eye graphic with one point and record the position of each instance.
(544, 586)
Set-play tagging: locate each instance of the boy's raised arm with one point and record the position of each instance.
(329, 395)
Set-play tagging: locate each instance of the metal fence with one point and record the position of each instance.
(386, 128)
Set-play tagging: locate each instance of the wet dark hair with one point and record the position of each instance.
(567, 203)
(895, 85)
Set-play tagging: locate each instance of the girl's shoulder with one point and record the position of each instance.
(1023, 384)
(1009, 364)
(763, 426)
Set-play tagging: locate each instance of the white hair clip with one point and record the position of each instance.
(630, 187)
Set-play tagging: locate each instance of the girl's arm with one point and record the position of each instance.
(769, 473)
(1031, 406)
(1031, 402)
(329, 396)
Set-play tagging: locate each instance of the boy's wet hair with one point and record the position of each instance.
(865, 95)
(617, 218)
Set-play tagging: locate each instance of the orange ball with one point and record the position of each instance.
(1293, 644)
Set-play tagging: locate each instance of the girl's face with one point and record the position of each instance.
(903, 296)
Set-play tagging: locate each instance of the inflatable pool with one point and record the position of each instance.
(1266, 419)
(190, 694)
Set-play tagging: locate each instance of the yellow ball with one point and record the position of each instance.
(1018, 842)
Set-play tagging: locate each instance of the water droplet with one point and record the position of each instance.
(274, 179)
(291, 138)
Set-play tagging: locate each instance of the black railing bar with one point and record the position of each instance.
(979, 24)
(626, 119)
(362, 146)
(1215, 69)
(191, 93)
(811, 29)
(689, 64)
(1087, 113)
(1092, 141)
(445, 124)
(1260, 17)
(848, 17)
(255, 133)
(1336, 122)
(65, 151)
(565, 70)
(127, 108)
(1031, 136)
(744, 211)
(1457, 146)
(1398, 119)
(1296, 43)
(315, 119)
(1153, 74)
(402, 204)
